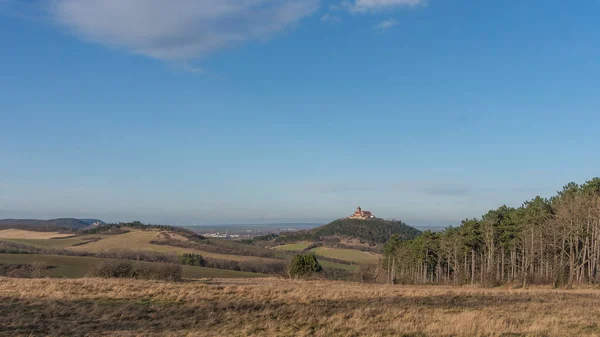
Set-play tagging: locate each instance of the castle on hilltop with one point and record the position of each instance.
(361, 215)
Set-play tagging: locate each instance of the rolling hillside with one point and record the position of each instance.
(373, 231)
(77, 266)
(43, 225)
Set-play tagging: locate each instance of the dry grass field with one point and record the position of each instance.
(140, 240)
(24, 234)
(349, 255)
(271, 307)
(78, 266)
(293, 247)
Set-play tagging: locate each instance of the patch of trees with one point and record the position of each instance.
(126, 269)
(304, 265)
(251, 266)
(280, 239)
(189, 259)
(373, 231)
(554, 241)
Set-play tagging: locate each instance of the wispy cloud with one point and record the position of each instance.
(385, 25)
(331, 19)
(178, 30)
(365, 6)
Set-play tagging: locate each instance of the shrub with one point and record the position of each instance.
(190, 259)
(112, 269)
(38, 269)
(162, 271)
(34, 270)
(125, 269)
(304, 265)
(367, 273)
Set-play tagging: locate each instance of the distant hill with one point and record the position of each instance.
(374, 231)
(43, 225)
(93, 221)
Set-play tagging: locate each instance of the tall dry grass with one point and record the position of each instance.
(98, 307)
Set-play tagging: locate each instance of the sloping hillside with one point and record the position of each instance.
(93, 221)
(374, 231)
(43, 225)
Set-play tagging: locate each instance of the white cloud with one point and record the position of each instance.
(331, 19)
(364, 6)
(178, 29)
(385, 25)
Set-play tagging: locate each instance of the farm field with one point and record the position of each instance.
(140, 240)
(57, 243)
(271, 307)
(77, 266)
(349, 255)
(25, 234)
(293, 247)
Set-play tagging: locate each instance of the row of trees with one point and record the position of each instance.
(554, 240)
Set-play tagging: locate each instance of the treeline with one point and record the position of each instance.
(252, 266)
(552, 241)
(114, 253)
(117, 228)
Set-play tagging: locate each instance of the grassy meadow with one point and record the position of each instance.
(77, 266)
(272, 307)
(140, 240)
(293, 247)
(350, 255)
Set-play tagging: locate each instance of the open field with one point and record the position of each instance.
(140, 240)
(77, 266)
(293, 247)
(271, 307)
(328, 264)
(57, 243)
(24, 234)
(349, 255)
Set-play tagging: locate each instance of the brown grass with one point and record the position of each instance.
(140, 240)
(273, 307)
(24, 234)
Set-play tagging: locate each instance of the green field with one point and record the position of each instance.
(334, 265)
(350, 255)
(77, 266)
(293, 247)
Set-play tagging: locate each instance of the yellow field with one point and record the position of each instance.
(24, 234)
(271, 307)
(349, 255)
(140, 240)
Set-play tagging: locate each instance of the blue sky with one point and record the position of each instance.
(222, 111)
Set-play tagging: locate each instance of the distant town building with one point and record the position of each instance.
(361, 215)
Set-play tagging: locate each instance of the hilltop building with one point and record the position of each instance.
(361, 215)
